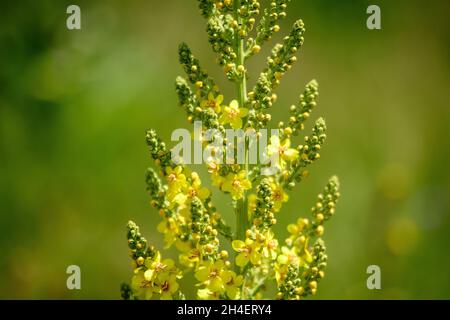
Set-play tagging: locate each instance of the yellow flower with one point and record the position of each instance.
(206, 294)
(248, 251)
(170, 228)
(296, 230)
(142, 288)
(152, 280)
(232, 284)
(168, 286)
(213, 103)
(196, 189)
(233, 115)
(282, 149)
(210, 274)
(189, 259)
(236, 184)
(176, 181)
(213, 169)
(157, 265)
(287, 256)
(278, 196)
(270, 246)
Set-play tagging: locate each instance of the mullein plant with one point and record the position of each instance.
(190, 221)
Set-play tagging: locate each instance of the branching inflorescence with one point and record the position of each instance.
(190, 221)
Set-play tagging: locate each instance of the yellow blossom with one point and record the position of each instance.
(248, 251)
(210, 273)
(278, 195)
(206, 294)
(142, 288)
(232, 283)
(233, 115)
(213, 169)
(176, 180)
(270, 246)
(196, 189)
(156, 276)
(287, 256)
(168, 286)
(170, 227)
(236, 184)
(190, 258)
(282, 149)
(212, 102)
(296, 230)
(193, 190)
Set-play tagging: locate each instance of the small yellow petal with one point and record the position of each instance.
(234, 104)
(215, 284)
(243, 112)
(202, 274)
(238, 245)
(148, 274)
(236, 123)
(292, 228)
(241, 260)
(282, 259)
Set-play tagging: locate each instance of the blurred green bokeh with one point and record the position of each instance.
(75, 105)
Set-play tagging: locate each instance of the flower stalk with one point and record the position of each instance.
(241, 84)
(190, 222)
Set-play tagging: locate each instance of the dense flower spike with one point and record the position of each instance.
(138, 244)
(202, 230)
(206, 7)
(300, 113)
(190, 222)
(196, 75)
(222, 31)
(302, 280)
(280, 61)
(325, 206)
(187, 99)
(309, 152)
(268, 25)
(158, 149)
(263, 217)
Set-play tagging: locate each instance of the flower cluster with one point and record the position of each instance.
(297, 257)
(190, 222)
(153, 276)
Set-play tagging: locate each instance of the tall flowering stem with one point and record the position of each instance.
(190, 222)
(241, 83)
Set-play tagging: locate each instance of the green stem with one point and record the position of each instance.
(241, 84)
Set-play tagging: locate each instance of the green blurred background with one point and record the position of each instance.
(75, 105)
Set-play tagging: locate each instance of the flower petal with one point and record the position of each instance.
(236, 123)
(243, 112)
(202, 273)
(241, 260)
(238, 245)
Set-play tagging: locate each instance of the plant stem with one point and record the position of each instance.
(241, 84)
